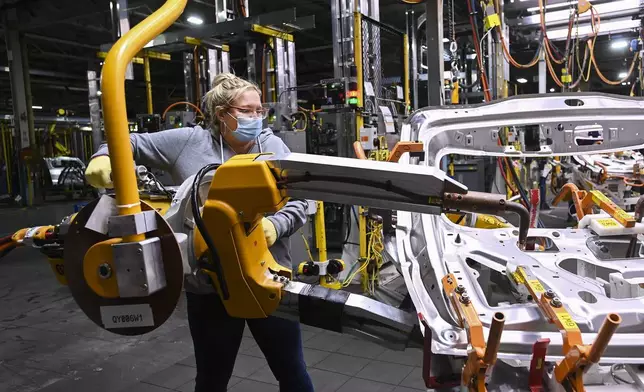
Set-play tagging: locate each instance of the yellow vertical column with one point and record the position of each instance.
(320, 231)
(114, 107)
(357, 49)
(148, 83)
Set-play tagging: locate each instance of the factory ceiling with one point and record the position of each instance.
(64, 36)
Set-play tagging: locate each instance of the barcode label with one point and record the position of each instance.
(127, 316)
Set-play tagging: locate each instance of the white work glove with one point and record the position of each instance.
(99, 172)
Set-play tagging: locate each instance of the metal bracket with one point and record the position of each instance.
(125, 225)
(139, 267)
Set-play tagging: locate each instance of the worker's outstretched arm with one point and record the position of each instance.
(158, 150)
(289, 219)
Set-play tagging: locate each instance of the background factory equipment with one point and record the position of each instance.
(488, 114)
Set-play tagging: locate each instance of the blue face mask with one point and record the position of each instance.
(248, 128)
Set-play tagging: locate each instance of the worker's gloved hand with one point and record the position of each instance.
(270, 232)
(99, 172)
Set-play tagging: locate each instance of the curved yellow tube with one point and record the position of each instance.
(114, 108)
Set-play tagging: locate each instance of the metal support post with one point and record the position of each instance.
(405, 81)
(412, 31)
(502, 67)
(120, 26)
(213, 65)
(435, 62)
(221, 11)
(251, 60)
(501, 81)
(188, 77)
(21, 97)
(491, 56)
(542, 73)
(357, 44)
(280, 70)
(94, 109)
(225, 61)
(342, 34)
(292, 75)
(506, 65)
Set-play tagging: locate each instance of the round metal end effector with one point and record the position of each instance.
(465, 299)
(549, 294)
(460, 289)
(123, 316)
(556, 302)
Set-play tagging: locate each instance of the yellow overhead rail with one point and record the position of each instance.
(271, 32)
(114, 108)
(140, 57)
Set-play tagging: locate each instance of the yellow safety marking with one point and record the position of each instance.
(518, 278)
(491, 21)
(623, 215)
(139, 60)
(536, 286)
(271, 32)
(192, 41)
(156, 55)
(600, 197)
(567, 321)
(608, 222)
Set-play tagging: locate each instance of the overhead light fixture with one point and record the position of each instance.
(36, 107)
(623, 83)
(616, 7)
(471, 56)
(522, 80)
(445, 40)
(552, 89)
(611, 27)
(552, 6)
(622, 75)
(195, 20)
(619, 44)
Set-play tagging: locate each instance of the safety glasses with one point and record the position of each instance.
(248, 112)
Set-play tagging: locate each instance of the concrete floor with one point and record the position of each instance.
(47, 343)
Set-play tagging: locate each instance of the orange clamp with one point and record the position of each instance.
(577, 356)
(570, 191)
(584, 202)
(403, 147)
(481, 356)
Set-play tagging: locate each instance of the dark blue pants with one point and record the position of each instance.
(217, 336)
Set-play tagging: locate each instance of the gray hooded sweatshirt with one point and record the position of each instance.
(182, 152)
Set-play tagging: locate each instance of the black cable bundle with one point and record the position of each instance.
(194, 200)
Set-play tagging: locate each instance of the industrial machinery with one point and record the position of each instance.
(617, 175)
(124, 261)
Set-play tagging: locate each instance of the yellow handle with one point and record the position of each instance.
(114, 108)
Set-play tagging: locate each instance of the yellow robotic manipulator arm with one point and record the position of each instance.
(125, 264)
(248, 186)
(49, 240)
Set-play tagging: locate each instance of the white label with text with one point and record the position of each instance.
(127, 316)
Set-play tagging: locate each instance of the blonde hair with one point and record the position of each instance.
(226, 88)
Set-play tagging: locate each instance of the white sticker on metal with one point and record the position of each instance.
(368, 89)
(127, 316)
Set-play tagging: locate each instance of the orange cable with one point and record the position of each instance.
(182, 103)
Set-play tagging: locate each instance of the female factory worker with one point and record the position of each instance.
(236, 111)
